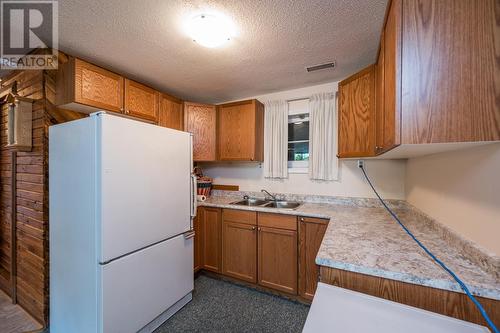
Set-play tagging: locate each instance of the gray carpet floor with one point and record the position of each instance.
(220, 306)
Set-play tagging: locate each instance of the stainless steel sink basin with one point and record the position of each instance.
(250, 202)
(283, 204)
(267, 203)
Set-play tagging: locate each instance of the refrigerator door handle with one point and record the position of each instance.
(193, 196)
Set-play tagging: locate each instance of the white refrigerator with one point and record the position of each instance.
(122, 200)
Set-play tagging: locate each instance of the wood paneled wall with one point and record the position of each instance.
(30, 281)
(30, 285)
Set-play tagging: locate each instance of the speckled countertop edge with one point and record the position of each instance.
(311, 209)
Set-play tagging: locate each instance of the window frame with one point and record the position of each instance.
(300, 167)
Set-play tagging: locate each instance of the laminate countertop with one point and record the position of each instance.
(362, 237)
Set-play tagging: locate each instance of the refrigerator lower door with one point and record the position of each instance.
(141, 286)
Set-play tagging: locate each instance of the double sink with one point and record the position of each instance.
(254, 202)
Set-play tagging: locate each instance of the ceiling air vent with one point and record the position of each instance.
(320, 67)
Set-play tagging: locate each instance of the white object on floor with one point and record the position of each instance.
(121, 205)
(336, 309)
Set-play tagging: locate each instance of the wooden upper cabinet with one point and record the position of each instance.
(356, 137)
(171, 113)
(201, 121)
(311, 232)
(450, 71)
(141, 101)
(436, 80)
(87, 88)
(211, 230)
(84, 87)
(239, 244)
(241, 131)
(391, 135)
(379, 99)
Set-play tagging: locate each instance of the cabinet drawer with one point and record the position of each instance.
(314, 220)
(280, 221)
(239, 216)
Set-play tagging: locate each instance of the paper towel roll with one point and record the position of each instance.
(201, 198)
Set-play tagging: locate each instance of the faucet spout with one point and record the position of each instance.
(269, 194)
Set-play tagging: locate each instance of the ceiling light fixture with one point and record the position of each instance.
(210, 30)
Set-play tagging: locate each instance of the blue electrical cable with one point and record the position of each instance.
(453, 275)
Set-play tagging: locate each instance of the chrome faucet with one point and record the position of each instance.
(269, 194)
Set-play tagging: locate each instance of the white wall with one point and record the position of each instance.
(460, 189)
(387, 175)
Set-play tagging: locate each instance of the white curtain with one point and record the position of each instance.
(276, 139)
(323, 161)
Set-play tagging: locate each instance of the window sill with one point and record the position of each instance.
(298, 170)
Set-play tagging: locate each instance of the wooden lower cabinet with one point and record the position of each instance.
(239, 244)
(311, 232)
(277, 258)
(239, 251)
(260, 248)
(211, 230)
(198, 241)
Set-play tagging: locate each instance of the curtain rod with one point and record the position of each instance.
(304, 98)
(297, 99)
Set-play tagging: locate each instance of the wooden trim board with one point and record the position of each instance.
(445, 302)
(225, 187)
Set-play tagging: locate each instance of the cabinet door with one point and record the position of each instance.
(141, 101)
(357, 115)
(392, 77)
(94, 86)
(211, 230)
(450, 71)
(277, 255)
(201, 121)
(198, 241)
(379, 99)
(239, 251)
(240, 131)
(171, 114)
(311, 232)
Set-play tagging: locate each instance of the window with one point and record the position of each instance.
(298, 136)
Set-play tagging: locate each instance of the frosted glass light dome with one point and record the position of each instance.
(209, 30)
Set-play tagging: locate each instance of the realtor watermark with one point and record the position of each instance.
(29, 34)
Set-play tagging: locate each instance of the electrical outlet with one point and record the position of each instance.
(361, 164)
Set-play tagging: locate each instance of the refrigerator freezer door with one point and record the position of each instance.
(139, 287)
(145, 184)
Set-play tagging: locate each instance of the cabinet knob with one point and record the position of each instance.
(258, 228)
(253, 228)
(302, 219)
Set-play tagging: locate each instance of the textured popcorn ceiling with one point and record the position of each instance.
(275, 41)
